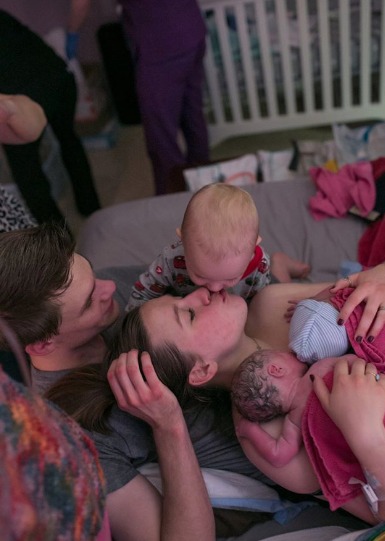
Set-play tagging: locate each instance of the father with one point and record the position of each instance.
(64, 316)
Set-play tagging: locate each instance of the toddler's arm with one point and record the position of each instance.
(156, 280)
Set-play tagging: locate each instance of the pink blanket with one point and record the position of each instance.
(337, 192)
(329, 454)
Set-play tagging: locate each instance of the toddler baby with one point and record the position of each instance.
(218, 247)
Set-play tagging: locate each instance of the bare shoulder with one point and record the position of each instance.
(266, 316)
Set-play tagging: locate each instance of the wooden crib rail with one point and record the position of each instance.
(283, 64)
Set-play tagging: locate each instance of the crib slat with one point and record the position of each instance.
(215, 93)
(345, 67)
(245, 45)
(324, 33)
(230, 74)
(245, 101)
(365, 61)
(284, 38)
(306, 68)
(271, 94)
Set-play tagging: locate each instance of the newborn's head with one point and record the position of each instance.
(253, 391)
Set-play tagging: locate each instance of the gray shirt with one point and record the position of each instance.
(130, 444)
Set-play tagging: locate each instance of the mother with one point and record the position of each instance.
(208, 329)
(194, 342)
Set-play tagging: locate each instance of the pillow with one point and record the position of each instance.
(230, 490)
(295, 163)
(276, 165)
(240, 171)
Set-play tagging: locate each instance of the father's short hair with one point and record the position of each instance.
(35, 268)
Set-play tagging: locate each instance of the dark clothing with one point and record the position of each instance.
(29, 66)
(159, 31)
(167, 40)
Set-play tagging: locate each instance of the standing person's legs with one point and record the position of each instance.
(193, 122)
(25, 164)
(60, 111)
(160, 93)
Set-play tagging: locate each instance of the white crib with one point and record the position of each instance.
(282, 64)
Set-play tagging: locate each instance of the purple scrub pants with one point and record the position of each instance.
(170, 99)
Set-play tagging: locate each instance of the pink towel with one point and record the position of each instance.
(337, 192)
(329, 454)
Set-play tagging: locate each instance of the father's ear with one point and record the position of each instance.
(202, 372)
(179, 232)
(44, 347)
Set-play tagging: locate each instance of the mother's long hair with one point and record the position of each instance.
(84, 393)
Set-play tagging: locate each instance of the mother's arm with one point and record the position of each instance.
(356, 404)
(137, 511)
(266, 317)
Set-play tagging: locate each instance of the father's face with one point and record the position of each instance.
(88, 306)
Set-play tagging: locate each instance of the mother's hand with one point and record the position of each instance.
(356, 403)
(139, 391)
(369, 288)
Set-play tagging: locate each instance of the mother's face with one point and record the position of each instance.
(206, 324)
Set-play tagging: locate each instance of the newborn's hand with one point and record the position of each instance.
(244, 428)
(241, 424)
(290, 310)
(139, 391)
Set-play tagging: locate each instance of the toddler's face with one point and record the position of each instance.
(216, 275)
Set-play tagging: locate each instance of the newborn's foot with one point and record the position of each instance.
(284, 268)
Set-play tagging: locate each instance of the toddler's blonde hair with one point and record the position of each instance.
(219, 219)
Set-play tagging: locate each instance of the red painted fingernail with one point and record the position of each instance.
(340, 322)
(370, 339)
(359, 339)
